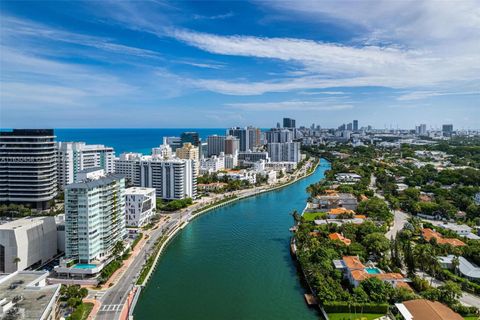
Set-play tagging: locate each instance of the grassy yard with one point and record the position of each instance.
(349, 316)
(310, 216)
(81, 312)
(471, 318)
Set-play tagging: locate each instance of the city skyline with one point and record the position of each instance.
(223, 64)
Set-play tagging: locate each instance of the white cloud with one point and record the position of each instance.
(418, 95)
(294, 105)
(334, 65)
(215, 17)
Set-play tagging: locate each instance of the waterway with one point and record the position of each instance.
(233, 263)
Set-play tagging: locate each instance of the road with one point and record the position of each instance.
(400, 218)
(466, 299)
(113, 299)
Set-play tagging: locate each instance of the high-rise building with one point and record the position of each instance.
(342, 127)
(232, 145)
(74, 157)
(350, 126)
(288, 123)
(32, 240)
(447, 130)
(139, 206)
(215, 145)
(355, 125)
(173, 142)
(249, 137)
(279, 135)
(189, 152)
(284, 152)
(172, 179)
(94, 216)
(191, 137)
(28, 167)
(421, 129)
(164, 151)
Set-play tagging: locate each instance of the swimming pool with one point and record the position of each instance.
(372, 270)
(84, 266)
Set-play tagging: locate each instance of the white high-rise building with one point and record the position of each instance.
(73, 157)
(284, 152)
(279, 135)
(172, 178)
(164, 151)
(94, 216)
(139, 206)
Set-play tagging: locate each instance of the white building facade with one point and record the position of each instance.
(284, 152)
(73, 157)
(139, 206)
(31, 240)
(94, 216)
(173, 178)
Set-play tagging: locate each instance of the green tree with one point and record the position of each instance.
(16, 260)
(376, 243)
(376, 209)
(449, 292)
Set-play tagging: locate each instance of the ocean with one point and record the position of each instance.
(129, 140)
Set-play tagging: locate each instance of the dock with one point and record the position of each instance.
(311, 300)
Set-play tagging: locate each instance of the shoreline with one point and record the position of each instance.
(174, 231)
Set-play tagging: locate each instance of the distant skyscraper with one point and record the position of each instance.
(279, 135)
(421, 129)
(215, 145)
(355, 125)
(191, 137)
(447, 129)
(342, 127)
(28, 167)
(249, 137)
(350, 126)
(284, 152)
(288, 123)
(173, 142)
(232, 145)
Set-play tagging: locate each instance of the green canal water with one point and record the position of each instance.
(233, 263)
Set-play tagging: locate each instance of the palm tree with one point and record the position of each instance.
(118, 248)
(455, 264)
(16, 260)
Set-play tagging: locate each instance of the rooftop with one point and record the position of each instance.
(22, 223)
(430, 310)
(31, 286)
(429, 234)
(139, 190)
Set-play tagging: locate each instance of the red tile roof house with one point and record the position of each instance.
(428, 234)
(337, 236)
(355, 271)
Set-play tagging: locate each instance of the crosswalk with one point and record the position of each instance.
(111, 307)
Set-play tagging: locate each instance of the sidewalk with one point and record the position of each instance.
(96, 307)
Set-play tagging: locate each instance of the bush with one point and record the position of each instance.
(345, 307)
(81, 312)
(109, 269)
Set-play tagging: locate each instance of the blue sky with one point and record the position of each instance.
(224, 63)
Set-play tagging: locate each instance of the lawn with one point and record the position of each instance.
(81, 312)
(349, 316)
(310, 216)
(471, 318)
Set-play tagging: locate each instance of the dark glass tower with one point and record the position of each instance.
(28, 167)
